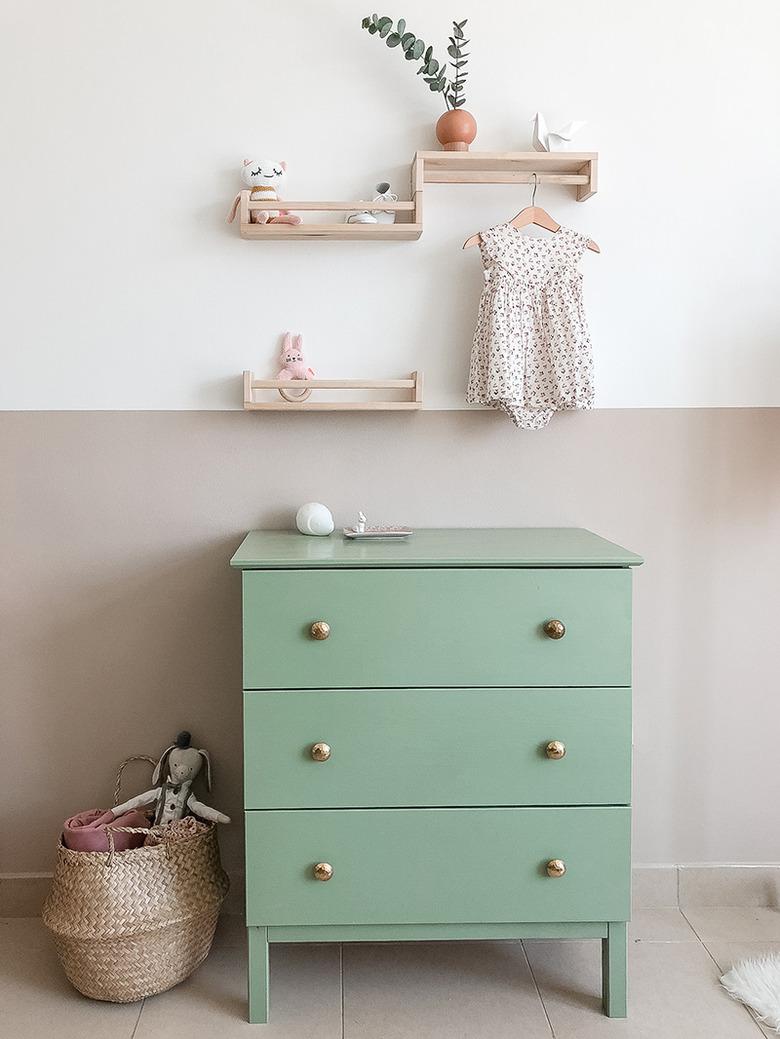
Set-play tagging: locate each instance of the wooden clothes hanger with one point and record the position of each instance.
(532, 214)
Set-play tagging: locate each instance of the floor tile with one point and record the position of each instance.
(430, 989)
(674, 993)
(36, 998)
(660, 925)
(729, 885)
(734, 923)
(305, 997)
(653, 887)
(726, 954)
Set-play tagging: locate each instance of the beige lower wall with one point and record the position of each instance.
(121, 620)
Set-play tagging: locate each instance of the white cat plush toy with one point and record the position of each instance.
(263, 177)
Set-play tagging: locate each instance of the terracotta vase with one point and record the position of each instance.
(456, 130)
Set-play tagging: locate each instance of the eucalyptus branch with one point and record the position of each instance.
(414, 49)
(456, 89)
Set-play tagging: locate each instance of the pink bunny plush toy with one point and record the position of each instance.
(263, 177)
(293, 364)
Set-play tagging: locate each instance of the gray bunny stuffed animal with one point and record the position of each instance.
(173, 798)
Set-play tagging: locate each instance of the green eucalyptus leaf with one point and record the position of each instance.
(372, 29)
(401, 26)
(434, 86)
(433, 66)
(374, 18)
(461, 24)
(384, 21)
(453, 51)
(429, 54)
(393, 39)
(408, 55)
(384, 31)
(365, 23)
(407, 40)
(457, 32)
(458, 65)
(417, 49)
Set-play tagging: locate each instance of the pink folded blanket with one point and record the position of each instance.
(86, 830)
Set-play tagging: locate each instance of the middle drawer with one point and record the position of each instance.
(436, 747)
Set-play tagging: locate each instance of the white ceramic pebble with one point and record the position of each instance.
(314, 518)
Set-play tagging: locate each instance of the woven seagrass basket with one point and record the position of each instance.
(130, 924)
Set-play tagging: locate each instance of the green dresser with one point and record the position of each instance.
(437, 741)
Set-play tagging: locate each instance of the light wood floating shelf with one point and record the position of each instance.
(576, 168)
(579, 169)
(414, 384)
(407, 230)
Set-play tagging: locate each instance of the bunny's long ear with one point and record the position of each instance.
(284, 166)
(159, 767)
(287, 344)
(205, 755)
(299, 342)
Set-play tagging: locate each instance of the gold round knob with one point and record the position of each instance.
(320, 630)
(556, 868)
(320, 751)
(554, 629)
(323, 871)
(555, 749)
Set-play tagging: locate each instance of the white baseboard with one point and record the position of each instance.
(654, 887)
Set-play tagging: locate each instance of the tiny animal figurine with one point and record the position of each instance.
(314, 518)
(293, 364)
(173, 798)
(263, 177)
(545, 140)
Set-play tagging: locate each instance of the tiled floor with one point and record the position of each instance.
(485, 990)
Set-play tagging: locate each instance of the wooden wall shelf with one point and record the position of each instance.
(406, 229)
(414, 384)
(578, 169)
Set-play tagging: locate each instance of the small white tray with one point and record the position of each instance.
(378, 533)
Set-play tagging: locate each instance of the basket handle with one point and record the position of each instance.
(124, 829)
(135, 757)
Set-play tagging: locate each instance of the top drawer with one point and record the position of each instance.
(459, 627)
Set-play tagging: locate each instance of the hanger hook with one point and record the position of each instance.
(536, 185)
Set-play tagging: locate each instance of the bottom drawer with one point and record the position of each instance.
(437, 865)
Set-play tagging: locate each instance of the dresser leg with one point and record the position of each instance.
(614, 972)
(257, 983)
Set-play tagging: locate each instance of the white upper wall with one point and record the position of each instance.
(124, 125)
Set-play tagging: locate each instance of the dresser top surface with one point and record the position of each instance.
(428, 547)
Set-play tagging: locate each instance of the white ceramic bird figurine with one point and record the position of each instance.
(545, 140)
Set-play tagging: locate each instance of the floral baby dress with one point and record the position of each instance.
(532, 351)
